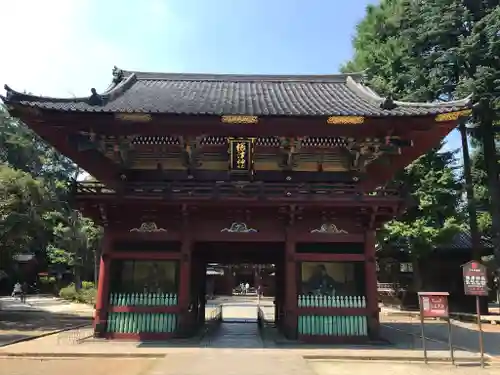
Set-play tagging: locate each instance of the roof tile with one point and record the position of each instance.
(195, 94)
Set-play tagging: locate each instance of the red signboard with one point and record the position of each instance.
(475, 277)
(434, 305)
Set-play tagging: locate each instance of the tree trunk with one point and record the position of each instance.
(77, 276)
(417, 275)
(490, 159)
(469, 189)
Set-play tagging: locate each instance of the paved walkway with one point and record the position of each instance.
(233, 362)
(237, 348)
(45, 303)
(234, 335)
(465, 335)
(41, 315)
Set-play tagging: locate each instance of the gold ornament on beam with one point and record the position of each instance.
(329, 228)
(148, 227)
(345, 120)
(453, 116)
(134, 117)
(240, 119)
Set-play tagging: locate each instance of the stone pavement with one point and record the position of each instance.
(232, 362)
(85, 366)
(41, 315)
(234, 335)
(238, 348)
(464, 334)
(393, 368)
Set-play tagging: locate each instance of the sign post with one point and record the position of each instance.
(435, 305)
(475, 276)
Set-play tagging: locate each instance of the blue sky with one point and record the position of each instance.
(65, 47)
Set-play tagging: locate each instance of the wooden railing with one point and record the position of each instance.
(237, 191)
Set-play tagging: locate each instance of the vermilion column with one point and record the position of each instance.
(185, 280)
(371, 284)
(290, 286)
(101, 305)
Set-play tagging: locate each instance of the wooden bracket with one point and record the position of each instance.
(289, 147)
(373, 218)
(190, 150)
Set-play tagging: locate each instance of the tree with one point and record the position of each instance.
(22, 149)
(437, 50)
(76, 240)
(435, 219)
(23, 203)
(34, 201)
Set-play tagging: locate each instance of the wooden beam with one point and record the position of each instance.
(286, 126)
(92, 161)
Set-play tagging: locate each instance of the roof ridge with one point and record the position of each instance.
(230, 77)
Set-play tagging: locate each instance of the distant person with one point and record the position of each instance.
(17, 291)
(24, 292)
(247, 288)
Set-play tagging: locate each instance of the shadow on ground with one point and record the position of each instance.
(20, 325)
(462, 337)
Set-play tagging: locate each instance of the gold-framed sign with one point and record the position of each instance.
(241, 154)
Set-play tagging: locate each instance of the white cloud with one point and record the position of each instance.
(63, 48)
(49, 48)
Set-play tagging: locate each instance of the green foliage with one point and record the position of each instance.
(75, 238)
(85, 295)
(22, 206)
(435, 219)
(34, 209)
(402, 55)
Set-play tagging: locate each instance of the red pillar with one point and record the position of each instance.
(102, 298)
(371, 284)
(184, 300)
(290, 286)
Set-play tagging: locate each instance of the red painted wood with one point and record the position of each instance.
(204, 236)
(422, 142)
(371, 285)
(170, 235)
(143, 336)
(103, 281)
(145, 309)
(185, 278)
(208, 201)
(140, 255)
(291, 317)
(102, 290)
(315, 257)
(333, 311)
(322, 339)
(329, 237)
(164, 124)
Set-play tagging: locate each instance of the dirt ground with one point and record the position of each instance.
(20, 325)
(80, 366)
(395, 368)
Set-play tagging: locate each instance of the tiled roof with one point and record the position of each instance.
(258, 95)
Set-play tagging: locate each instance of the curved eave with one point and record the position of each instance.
(14, 97)
(371, 96)
(40, 109)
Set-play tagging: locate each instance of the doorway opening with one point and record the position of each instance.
(237, 287)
